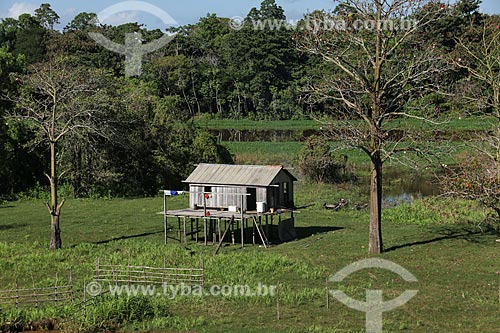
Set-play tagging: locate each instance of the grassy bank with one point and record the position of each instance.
(454, 261)
(453, 124)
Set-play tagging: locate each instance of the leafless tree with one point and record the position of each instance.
(379, 65)
(58, 100)
(477, 176)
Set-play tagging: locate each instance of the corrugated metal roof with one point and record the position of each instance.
(227, 174)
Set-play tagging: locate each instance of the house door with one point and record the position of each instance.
(251, 199)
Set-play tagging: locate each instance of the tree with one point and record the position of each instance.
(57, 101)
(378, 68)
(30, 39)
(82, 22)
(477, 177)
(46, 16)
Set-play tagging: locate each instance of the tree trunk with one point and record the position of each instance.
(375, 245)
(54, 207)
(55, 233)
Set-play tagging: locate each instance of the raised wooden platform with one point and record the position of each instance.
(188, 224)
(200, 213)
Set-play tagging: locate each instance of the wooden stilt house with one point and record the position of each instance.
(252, 188)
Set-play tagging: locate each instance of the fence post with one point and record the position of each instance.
(55, 288)
(84, 301)
(71, 286)
(17, 294)
(202, 273)
(129, 275)
(327, 295)
(278, 301)
(35, 296)
(97, 268)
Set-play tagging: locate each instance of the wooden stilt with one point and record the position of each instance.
(197, 230)
(205, 230)
(242, 227)
(179, 229)
(185, 234)
(218, 228)
(165, 217)
(232, 233)
(191, 230)
(214, 229)
(267, 226)
(253, 233)
(270, 232)
(224, 235)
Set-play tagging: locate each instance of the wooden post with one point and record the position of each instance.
(202, 273)
(191, 230)
(253, 233)
(224, 235)
(242, 224)
(205, 231)
(84, 300)
(218, 228)
(232, 233)
(205, 218)
(165, 216)
(185, 235)
(270, 232)
(327, 295)
(179, 229)
(34, 292)
(278, 301)
(197, 230)
(97, 268)
(55, 289)
(17, 294)
(267, 227)
(71, 285)
(214, 231)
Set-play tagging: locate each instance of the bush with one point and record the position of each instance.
(319, 164)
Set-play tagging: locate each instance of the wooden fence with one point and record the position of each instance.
(36, 296)
(128, 274)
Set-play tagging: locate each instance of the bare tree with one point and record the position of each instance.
(58, 100)
(477, 177)
(379, 65)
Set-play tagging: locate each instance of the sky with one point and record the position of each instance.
(182, 12)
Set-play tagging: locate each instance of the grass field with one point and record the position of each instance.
(438, 241)
(287, 153)
(454, 124)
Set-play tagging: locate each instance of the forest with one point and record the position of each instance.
(143, 134)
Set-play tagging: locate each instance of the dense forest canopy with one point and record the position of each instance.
(209, 70)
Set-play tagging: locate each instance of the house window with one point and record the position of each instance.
(207, 189)
(285, 192)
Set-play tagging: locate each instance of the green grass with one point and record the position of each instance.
(453, 124)
(454, 262)
(287, 153)
(246, 124)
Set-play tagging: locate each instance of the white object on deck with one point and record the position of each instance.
(261, 207)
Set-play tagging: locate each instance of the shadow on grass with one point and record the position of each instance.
(127, 237)
(305, 206)
(304, 232)
(13, 226)
(470, 234)
(8, 206)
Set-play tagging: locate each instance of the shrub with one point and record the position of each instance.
(319, 164)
